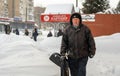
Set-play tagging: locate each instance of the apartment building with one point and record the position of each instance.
(3, 8)
(37, 13)
(17, 9)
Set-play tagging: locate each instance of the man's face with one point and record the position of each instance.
(75, 21)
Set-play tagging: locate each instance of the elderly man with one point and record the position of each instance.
(79, 44)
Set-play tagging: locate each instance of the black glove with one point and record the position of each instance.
(91, 55)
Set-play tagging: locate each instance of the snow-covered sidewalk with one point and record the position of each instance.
(21, 56)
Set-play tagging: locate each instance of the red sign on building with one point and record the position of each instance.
(55, 17)
(4, 19)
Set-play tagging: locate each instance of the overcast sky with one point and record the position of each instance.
(44, 3)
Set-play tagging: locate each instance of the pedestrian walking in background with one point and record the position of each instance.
(17, 31)
(35, 34)
(26, 32)
(49, 34)
(60, 33)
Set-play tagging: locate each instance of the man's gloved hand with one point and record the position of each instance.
(91, 55)
(62, 57)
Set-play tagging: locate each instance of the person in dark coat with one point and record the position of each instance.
(35, 34)
(26, 32)
(7, 29)
(60, 33)
(17, 31)
(49, 34)
(79, 44)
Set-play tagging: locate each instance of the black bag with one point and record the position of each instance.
(56, 58)
(60, 61)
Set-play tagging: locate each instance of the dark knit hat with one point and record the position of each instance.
(75, 15)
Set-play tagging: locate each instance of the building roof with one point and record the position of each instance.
(59, 9)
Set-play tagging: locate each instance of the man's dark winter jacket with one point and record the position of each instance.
(77, 42)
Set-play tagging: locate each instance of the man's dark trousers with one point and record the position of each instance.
(78, 66)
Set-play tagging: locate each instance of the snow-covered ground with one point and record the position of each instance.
(21, 56)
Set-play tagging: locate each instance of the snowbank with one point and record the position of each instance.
(21, 56)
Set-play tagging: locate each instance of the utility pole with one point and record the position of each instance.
(76, 3)
(26, 14)
(26, 10)
(13, 8)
